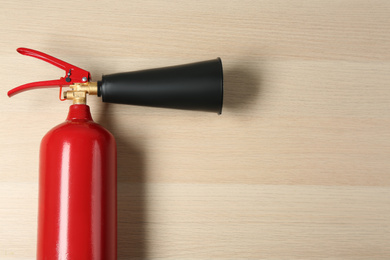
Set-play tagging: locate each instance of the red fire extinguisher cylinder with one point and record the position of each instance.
(77, 217)
(77, 190)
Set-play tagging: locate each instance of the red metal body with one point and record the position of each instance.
(77, 191)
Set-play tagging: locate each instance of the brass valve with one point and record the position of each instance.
(79, 92)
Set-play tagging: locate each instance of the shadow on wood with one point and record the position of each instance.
(131, 192)
(242, 85)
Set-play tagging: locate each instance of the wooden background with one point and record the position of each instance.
(297, 166)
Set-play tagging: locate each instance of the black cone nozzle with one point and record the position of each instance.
(195, 86)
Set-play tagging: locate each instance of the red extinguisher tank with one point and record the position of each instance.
(77, 190)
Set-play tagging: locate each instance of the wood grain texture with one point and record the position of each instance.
(297, 167)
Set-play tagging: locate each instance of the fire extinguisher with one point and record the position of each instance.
(77, 216)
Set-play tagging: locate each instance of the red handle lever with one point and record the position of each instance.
(73, 74)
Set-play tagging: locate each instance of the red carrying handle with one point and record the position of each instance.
(73, 74)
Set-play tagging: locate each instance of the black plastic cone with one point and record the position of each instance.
(195, 86)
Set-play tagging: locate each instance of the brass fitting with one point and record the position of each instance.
(79, 92)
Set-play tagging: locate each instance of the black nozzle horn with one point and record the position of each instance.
(195, 86)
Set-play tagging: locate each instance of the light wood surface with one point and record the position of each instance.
(297, 167)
